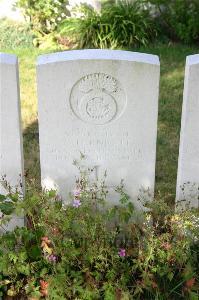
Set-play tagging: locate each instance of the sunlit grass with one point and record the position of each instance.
(172, 60)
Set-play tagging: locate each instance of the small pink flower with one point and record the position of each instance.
(76, 203)
(122, 252)
(52, 258)
(77, 192)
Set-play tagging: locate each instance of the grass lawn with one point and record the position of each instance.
(172, 60)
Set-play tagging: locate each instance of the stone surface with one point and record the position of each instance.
(188, 163)
(11, 154)
(104, 104)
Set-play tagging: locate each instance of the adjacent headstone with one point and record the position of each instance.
(11, 157)
(188, 163)
(104, 104)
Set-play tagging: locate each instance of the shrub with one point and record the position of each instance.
(84, 30)
(14, 34)
(86, 250)
(124, 24)
(44, 15)
(177, 19)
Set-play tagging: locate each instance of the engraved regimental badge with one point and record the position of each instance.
(97, 98)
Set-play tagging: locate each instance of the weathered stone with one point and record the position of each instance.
(188, 163)
(11, 153)
(104, 104)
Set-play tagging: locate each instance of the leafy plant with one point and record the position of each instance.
(84, 30)
(15, 35)
(125, 24)
(85, 249)
(177, 19)
(44, 15)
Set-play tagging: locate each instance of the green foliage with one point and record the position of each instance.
(44, 15)
(15, 35)
(123, 25)
(87, 250)
(178, 19)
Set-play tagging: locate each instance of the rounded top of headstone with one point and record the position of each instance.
(9, 59)
(192, 59)
(98, 54)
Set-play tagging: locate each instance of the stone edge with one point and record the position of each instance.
(98, 54)
(192, 59)
(9, 59)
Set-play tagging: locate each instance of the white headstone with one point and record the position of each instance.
(188, 163)
(104, 104)
(11, 154)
